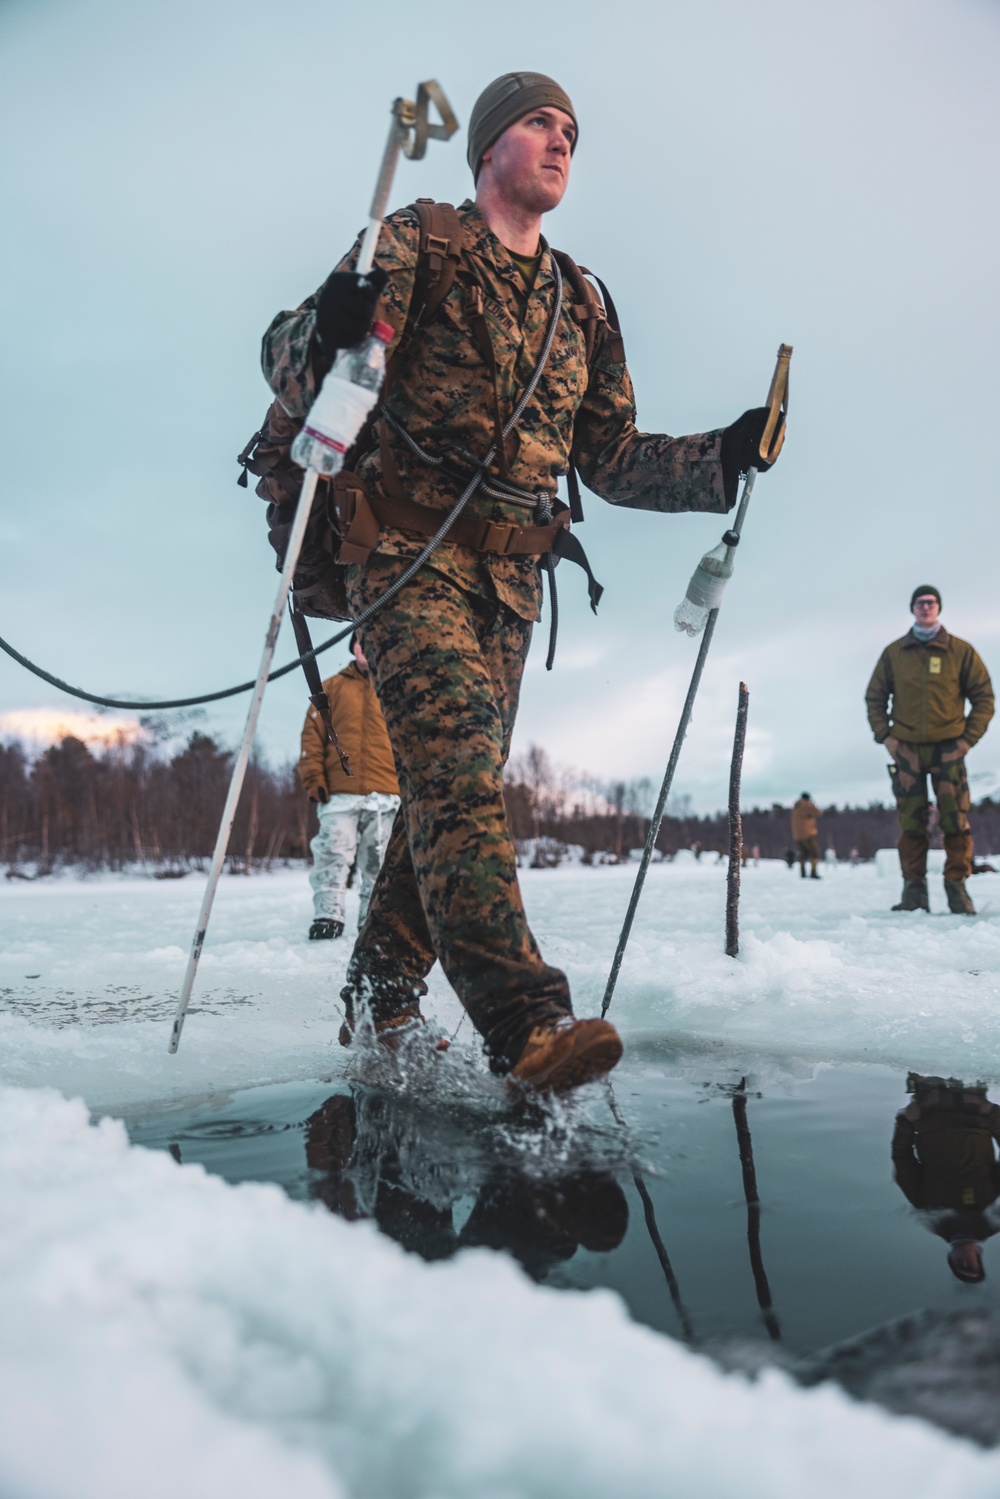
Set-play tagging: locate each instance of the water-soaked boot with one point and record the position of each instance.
(914, 897)
(392, 1031)
(959, 899)
(567, 1052)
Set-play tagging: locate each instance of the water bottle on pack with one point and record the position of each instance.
(705, 590)
(346, 397)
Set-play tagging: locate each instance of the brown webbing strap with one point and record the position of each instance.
(773, 436)
(439, 250)
(617, 346)
(317, 695)
(589, 312)
(501, 537)
(356, 522)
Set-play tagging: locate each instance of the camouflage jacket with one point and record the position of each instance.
(929, 682)
(442, 394)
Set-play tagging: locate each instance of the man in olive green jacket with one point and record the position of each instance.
(929, 675)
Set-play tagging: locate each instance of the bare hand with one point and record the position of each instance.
(892, 745)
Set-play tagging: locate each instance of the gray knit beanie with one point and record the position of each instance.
(507, 99)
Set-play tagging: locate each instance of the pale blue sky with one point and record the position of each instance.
(816, 171)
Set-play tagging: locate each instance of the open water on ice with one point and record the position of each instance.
(833, 1250)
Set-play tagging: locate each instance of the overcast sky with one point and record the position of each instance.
(820, 172)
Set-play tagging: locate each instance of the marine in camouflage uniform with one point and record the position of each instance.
(448, 652)
(927, 676)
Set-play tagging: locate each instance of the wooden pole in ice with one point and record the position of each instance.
(736, 827)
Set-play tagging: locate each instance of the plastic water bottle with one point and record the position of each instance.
(705, 590)
(346, 396)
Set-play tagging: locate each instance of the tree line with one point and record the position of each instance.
(135, 803)
(607, 819)
(132, 803)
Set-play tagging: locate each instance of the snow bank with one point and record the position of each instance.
(826, 972)
(167, 1334)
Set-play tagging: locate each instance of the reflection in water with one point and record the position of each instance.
(946, 1166)
(749, 1171)
(361, 1145)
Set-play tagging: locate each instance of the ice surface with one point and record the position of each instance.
(166, 1334)
(89, 972)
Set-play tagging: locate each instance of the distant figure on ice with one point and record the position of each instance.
(805, 834)
(448, 650)
(355, 813)
(946, 1166)
(929, 675)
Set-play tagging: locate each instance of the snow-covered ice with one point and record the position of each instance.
(166, 1333)
(89, 972)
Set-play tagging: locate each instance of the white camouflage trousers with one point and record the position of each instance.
(350, 827)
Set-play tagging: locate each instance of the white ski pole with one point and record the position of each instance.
(409, 132)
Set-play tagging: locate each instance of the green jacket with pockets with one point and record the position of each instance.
(928, 684)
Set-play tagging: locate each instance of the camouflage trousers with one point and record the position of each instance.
(447, 665)
(946, 767)
(352, 830)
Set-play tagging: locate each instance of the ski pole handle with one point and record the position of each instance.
(409, 132)
(773, 437)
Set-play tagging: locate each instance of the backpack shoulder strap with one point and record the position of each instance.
(439, 250)
(588, 310)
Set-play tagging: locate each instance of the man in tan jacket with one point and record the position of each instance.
(805, 834)
(929, 675)
(355, 812)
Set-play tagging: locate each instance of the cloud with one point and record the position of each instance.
(39, 727)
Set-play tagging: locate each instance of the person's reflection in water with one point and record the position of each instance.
(540, 1222)
(945, 1164)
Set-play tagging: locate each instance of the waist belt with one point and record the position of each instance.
(501, 537)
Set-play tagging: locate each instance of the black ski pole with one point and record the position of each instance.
(700, 608)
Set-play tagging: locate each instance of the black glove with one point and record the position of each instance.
(741, 448)
(346, 307)
(319, 794)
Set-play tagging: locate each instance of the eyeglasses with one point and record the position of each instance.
(924, 603)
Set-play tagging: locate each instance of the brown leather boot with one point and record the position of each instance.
(568, 1052)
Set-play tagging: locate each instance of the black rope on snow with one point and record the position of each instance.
(181, 702)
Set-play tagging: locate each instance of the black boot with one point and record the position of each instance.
(914, 897)
(325, 927)
(959, 900)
